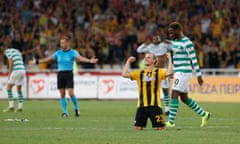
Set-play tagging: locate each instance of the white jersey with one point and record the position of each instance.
(157, 49)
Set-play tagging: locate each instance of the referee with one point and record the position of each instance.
(65, 58)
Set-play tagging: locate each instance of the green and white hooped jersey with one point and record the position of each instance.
(184, 57)
(17, 58)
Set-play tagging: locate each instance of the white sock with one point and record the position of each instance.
(166, 109)
(20, 105)
(11, 104)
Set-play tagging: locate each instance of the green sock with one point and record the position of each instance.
(10, 95)
(195, 107)
(20, 97)
(166, 99)
(173, 110)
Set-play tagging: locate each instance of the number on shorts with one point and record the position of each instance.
(159, 118)
(176, 81)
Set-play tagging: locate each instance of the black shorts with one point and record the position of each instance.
(65, 79)
(153, 112)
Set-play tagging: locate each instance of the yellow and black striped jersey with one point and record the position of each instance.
(148, 86)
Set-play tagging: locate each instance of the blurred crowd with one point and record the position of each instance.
(111, 30)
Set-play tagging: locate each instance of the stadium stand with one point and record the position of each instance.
(112, 29)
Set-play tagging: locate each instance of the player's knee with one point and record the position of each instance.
(184, 99)
(19, 89)
(9, 86)
(71, 94)
(62, 92)
(138, 128)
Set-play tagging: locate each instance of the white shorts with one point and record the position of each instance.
(17, 78)
(165, 83)
(181, 82)
(161, 94)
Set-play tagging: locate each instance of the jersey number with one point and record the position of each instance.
(176, 81)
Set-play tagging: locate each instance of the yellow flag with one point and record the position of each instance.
(142, 65)
(75, 67)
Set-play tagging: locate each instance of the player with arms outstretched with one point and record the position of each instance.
(65, 58)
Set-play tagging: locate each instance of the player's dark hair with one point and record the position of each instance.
(175, 26)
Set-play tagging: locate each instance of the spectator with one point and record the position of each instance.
(88, 53)
(28, 23)
(213, 57)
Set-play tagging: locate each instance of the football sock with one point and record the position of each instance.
(20, 105)
(195, 107)
(173, 110)
(63, 102)
(20, 100)
(75, 102)
(166, 100)
(10, 98)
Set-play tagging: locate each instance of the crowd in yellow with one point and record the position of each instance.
(112, 29)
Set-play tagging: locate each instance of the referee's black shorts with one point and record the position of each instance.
(65, 79)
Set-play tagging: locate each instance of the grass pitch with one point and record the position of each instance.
(111, 122)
